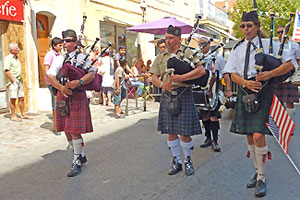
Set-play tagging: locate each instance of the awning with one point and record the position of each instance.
(222, 32)
(117, 21)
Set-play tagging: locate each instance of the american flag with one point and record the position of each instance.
(280, 124)
(296, 33)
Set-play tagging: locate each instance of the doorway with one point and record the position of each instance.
(42, 45)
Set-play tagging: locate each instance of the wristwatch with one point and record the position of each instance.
(80, 82)
(244, 84)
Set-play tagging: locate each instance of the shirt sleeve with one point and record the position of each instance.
(119, 72)
(117, 56)
(56, 65)
(297, 51)
(230, 66)
(48, 59)
(87, 64)
(155, 66)
(7, 63)
(220, 63)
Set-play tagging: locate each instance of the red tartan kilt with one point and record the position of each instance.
(79, 120)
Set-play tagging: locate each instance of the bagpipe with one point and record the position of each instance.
(73, 70)
(268, 62)
(185, 65)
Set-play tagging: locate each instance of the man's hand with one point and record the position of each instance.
(72, 84)
(228, 93)
(176, 78)
(264, 76)
(253, 85)
(168, 86)
(66, 91)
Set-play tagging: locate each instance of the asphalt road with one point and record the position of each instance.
(128, 159)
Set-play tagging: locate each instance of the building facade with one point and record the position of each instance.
(45, 19)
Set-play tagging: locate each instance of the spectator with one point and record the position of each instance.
(56, 46)
(106, 69)
(161, 44)
(14, 83)
(134, 81)
(91, 94)
(121, 55)
(119, 88)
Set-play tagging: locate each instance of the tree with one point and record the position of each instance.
(275, 6)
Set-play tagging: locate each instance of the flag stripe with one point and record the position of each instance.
(280, 124)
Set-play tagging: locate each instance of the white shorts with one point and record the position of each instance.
(15, 90)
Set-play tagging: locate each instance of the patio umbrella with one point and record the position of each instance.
(159, 27)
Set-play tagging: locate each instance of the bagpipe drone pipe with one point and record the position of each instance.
(268, 62)
(69, 72)
(184, 66)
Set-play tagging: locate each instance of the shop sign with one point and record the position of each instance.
(11, 10)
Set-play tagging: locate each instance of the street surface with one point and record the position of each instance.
(128, 159)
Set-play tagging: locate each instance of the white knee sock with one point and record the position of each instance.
(71, 144)
(187, 148)
(175, 149)
(77, 149)
(261, 158)
(251, 149)
(290, 111)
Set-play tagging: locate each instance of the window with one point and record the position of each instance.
(118, 36)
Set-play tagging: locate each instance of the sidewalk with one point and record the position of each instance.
(26, 136)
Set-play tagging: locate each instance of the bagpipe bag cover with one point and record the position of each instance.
(269, 63)
(75, 73)
(181, 67)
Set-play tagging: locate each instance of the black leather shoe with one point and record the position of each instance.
(252, 182)
(260, 189)
(215, 147)
(176, 167)
(75, 170)
(189, 169)
(206, 143)
(83, 159)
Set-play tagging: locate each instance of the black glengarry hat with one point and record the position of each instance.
(250, 16)
(174, 30)
(69, 33)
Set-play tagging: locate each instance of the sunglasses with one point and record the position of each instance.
(68, 40)
(247, 25)
(279, 32)
(201, 44)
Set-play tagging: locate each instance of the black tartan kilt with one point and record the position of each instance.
(286, 92)
(186, 123)
(248, 123)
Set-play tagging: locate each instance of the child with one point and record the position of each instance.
(119, 87)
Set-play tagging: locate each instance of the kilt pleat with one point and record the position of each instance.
(186, 123)
(79, 120)
(248, 123)
(287, 92)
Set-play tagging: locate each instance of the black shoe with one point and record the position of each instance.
(252, 182)
(206, 143)
(176, 167)
(260, 189)
(75, 170)
(215, 147)
(189, 169)
(83, 159)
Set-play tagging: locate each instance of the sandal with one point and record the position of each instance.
(15, 119)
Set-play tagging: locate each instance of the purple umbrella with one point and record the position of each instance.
(159, 27)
